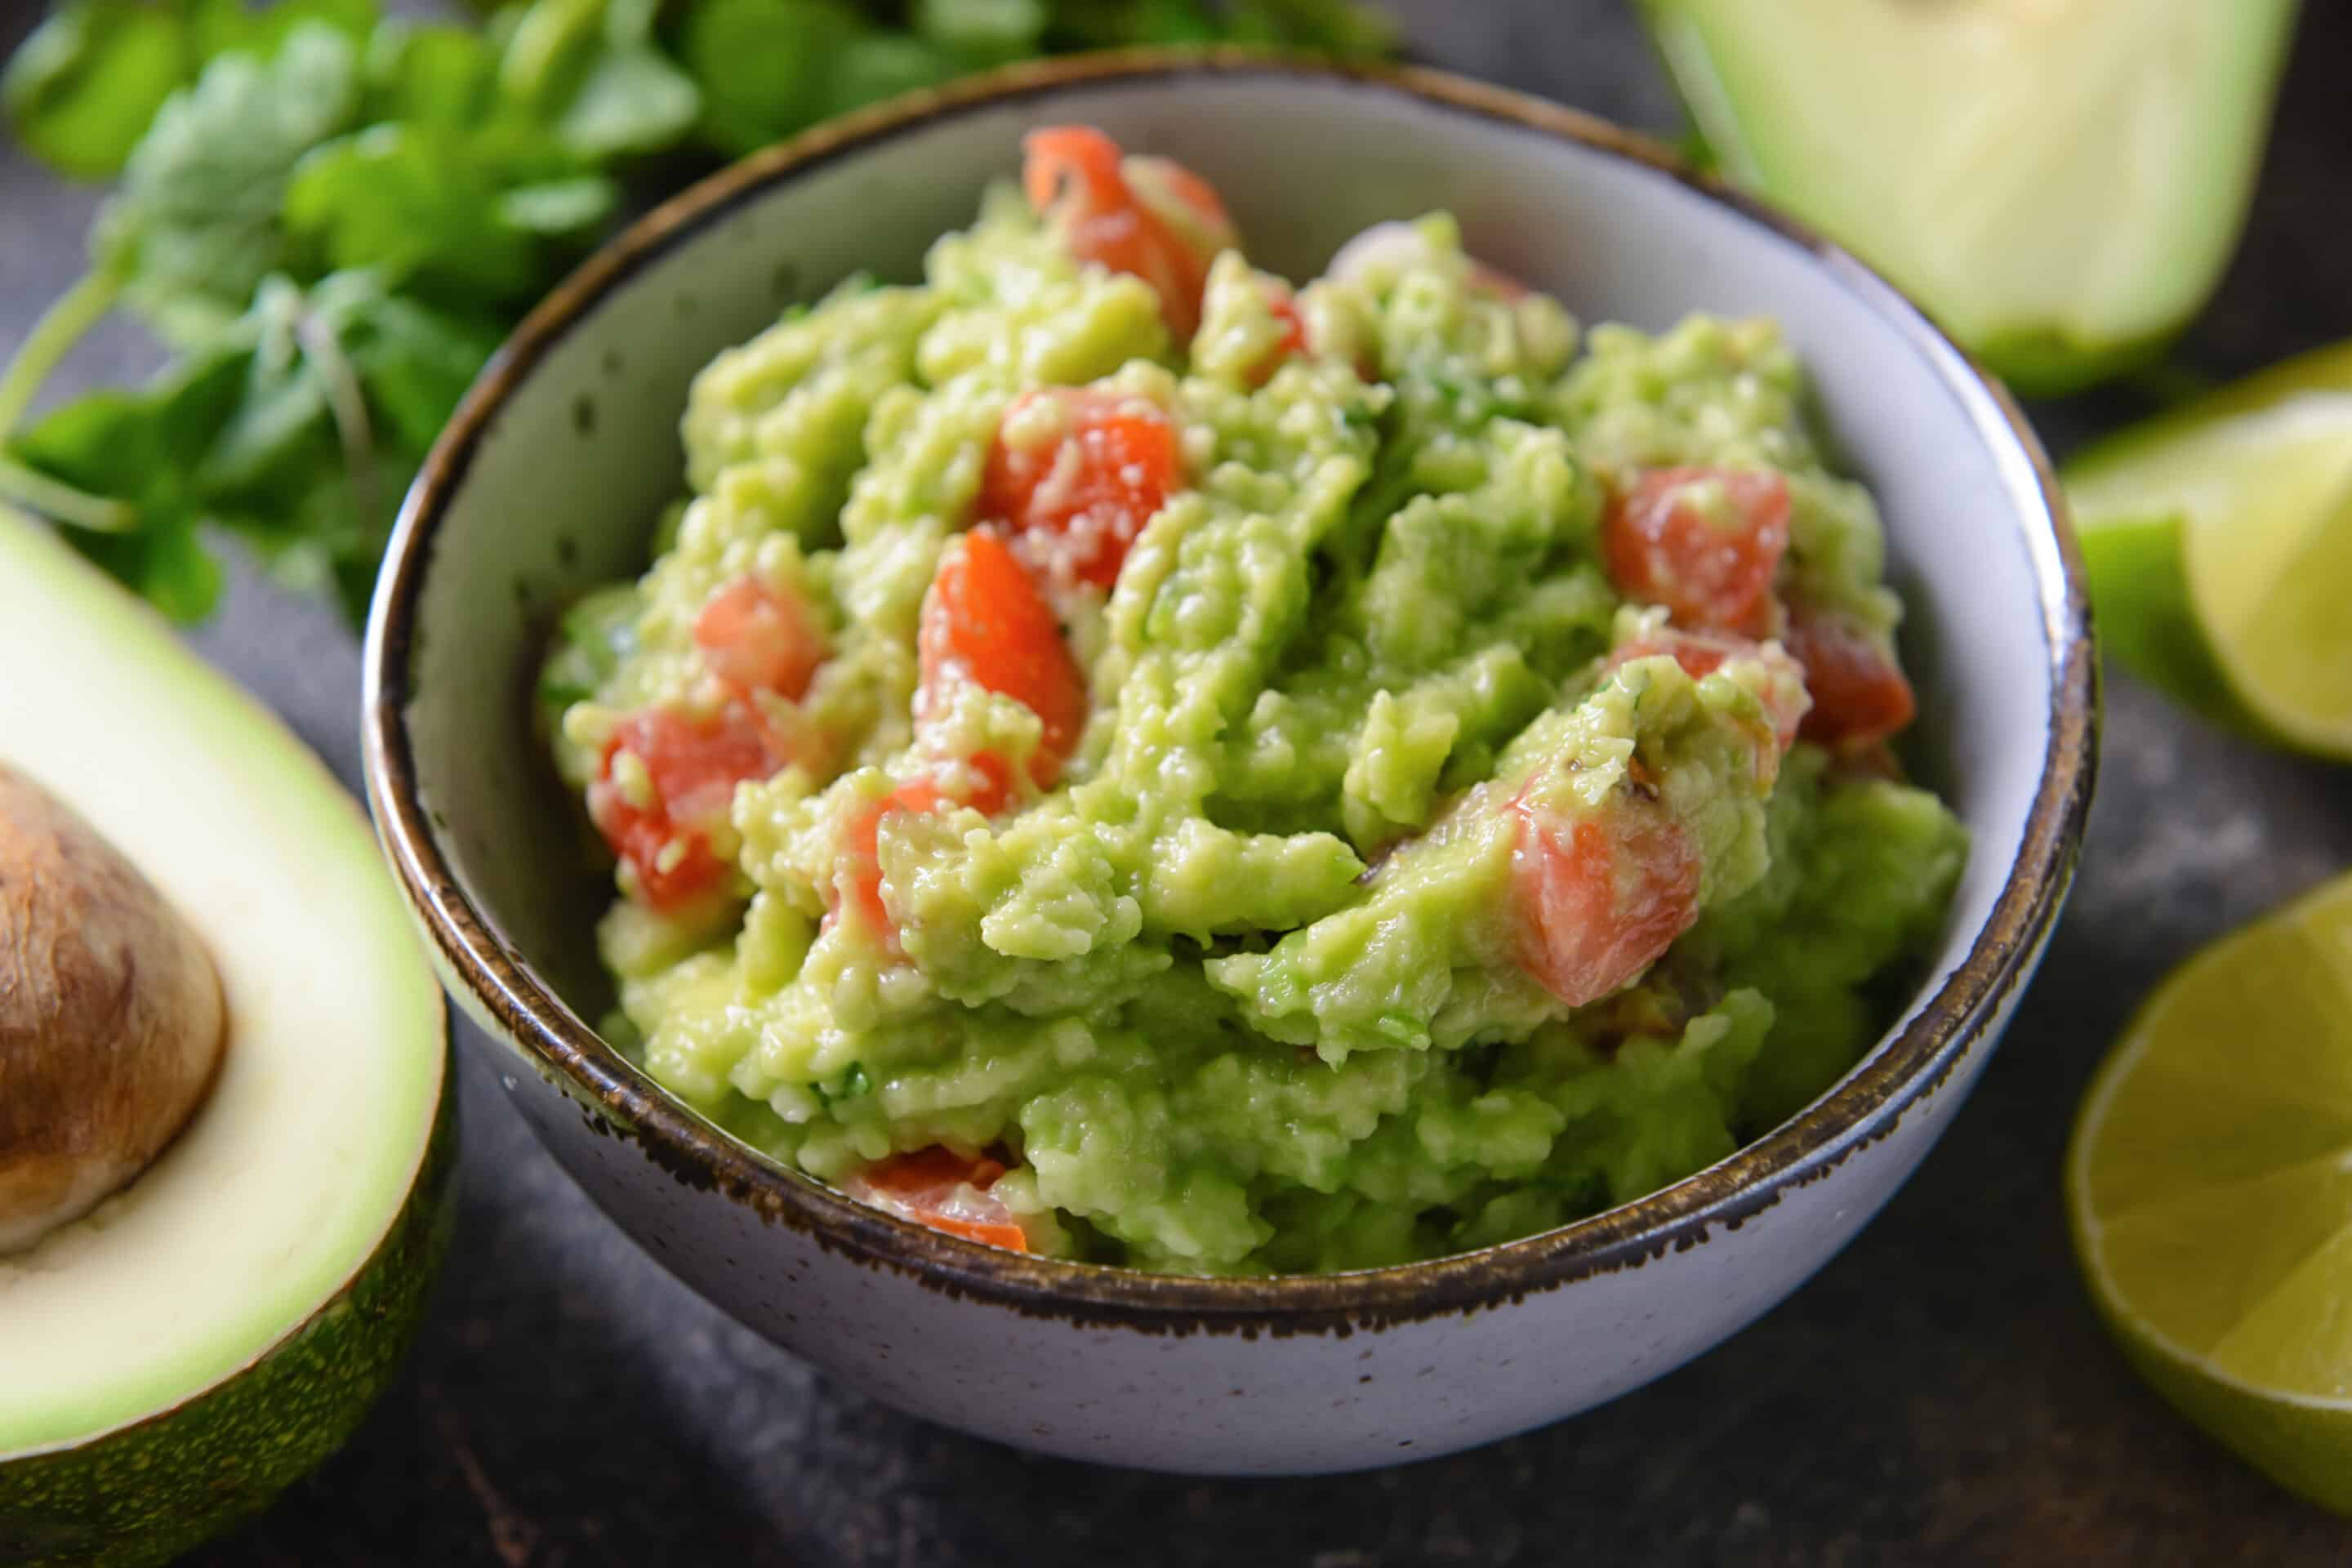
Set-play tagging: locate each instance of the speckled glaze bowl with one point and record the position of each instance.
(549, 481)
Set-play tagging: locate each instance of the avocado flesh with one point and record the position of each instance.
(174, 1359)
(2060, 182)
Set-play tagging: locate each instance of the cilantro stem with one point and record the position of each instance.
(69, 315)
(347, 402)
(60, 503)
(69, 318)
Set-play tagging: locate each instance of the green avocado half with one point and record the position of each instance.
(171, 1360)
(2060, 182)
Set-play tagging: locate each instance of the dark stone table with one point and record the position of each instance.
(1940, 1394)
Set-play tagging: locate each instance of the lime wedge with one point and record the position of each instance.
(2217, 542)
(2210, 1189)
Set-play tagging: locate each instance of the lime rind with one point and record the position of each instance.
(2139, 581)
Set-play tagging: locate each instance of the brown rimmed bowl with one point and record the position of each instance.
(549, 479)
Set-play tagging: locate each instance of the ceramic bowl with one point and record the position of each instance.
(549, 481)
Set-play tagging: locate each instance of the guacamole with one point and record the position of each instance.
(1121, 757)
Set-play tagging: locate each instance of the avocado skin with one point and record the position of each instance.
(145, 1493)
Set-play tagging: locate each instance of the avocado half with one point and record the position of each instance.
(205, 1336)
(2060, 182)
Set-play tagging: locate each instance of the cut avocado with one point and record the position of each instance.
(2060, 182)
(220, 1324)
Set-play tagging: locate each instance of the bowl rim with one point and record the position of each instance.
(1898, 1073)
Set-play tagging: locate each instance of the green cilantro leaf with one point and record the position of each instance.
(856, 1084)
(142, 448)
(219, 26)
(877, 66)
(347, 386)
(197, 227)
(1114, 24)
(592, 69)
(336, 216)
(295, 427)
(1342, 28)
(982, 31)
(437, 74)
(767, 67)
(406, 200)
(632, 100)
(1348, 27)
(414, 362)
(463, 215)
(567, 207)
(80, 91)
(82, 88)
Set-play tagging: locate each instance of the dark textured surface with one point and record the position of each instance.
(1940, 1394)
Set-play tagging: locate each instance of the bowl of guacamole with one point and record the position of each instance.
(1226, 739)
(1125, 756)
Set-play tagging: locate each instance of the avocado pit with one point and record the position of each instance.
(112, 1020)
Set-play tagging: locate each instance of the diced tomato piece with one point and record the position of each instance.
(1710, 574)
(1177, 193)
(641, 841)
(861, 838)
(1293, 341)
(1058, 160)
(1149, 217)
(756, 637)
(1599, 897)
(861, 855)
(1860, 696)
(1701, 654)
(944, 1190)
(985, 621)
(992, 791)
(1084, 497)
(694, 766)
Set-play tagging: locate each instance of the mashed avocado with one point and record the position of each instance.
(1367, 776)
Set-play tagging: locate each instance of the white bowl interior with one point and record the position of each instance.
(562, 491)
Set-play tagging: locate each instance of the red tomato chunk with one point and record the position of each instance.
(1711, 573)
(694, 766)
(755, 638)
(1860, 696)
(1701, 654)
(944, 1190)
(1600, 898)
(984, 620)
(861, 838)
(1293, 341)
(1149, 217)
(1083, 497)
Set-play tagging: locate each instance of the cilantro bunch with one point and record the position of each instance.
(333, 218)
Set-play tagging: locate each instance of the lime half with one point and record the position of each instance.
(2210, 1189)
(2218, 541)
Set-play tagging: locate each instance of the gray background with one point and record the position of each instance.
(1938, 1395)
